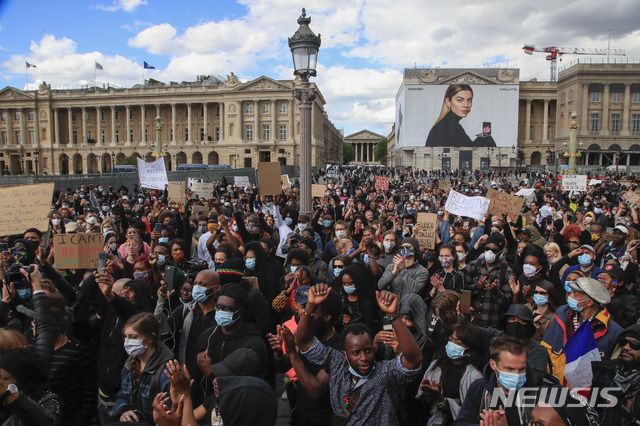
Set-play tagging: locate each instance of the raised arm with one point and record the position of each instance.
(304, 336)
(411, 353)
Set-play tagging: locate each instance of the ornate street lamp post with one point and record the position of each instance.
(572, 154)
(36, 157)
(304, 45)
(158, 145)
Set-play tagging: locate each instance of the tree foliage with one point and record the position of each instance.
(348, 153)
(380, 151)
(131, 160)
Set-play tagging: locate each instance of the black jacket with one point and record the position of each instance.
(449, 132)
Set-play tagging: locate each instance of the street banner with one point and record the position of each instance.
(425, 230)
(461, 205)
(23, 207)
(574, 182)
(502, 203)
(152, 175)
(77, 251)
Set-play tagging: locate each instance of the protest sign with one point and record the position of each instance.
(202, 189)
(23, 207)
(286, 183)
(501, 203)
(176, 191)
(318, 190)
(574, 182)
(152, 175)
(382, 183)
(474, 207)
(525, 192)
(269, 179)
(626, 183)
(631, 197)
(241, 181)
(425, 230)
(77, 251)
(445, 185)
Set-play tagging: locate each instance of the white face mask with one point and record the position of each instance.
(389, 245)
(461, 256)
(341, 234)
(55, 222)
(134, 347)
(489, 256)
(92, 220)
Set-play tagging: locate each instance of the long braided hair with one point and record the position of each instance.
(146, 326)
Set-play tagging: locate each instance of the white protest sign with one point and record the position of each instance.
(152, 175)
(525, 192)
(241, 181)
(594, 182)
(574, 182)
(474, 207)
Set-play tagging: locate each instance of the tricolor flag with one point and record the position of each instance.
(580, 351)
(99, 67)
(29, 65)
(148, 67)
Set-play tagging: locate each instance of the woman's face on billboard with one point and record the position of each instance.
(461, 102)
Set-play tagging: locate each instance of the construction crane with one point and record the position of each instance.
(556, 52)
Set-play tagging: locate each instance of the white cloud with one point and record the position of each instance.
(126, 5)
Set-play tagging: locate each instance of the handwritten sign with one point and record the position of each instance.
(445, 185)
(241, 181)
(425, 230)
(23, 207)
(152, 175)
(631, 197)
(176, 191)
(501, 203)
(286, 183)
(77, 251)
(382, 183)
(269, 179)
(626, 183)
(525, 192)
(318, 190)
(202, 189)
(474, 207)
(574, 182)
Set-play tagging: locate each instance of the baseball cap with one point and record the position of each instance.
(614, 271)
(588, 247)
(622, 229)
(302, 294)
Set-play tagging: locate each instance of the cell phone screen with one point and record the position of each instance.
(102, 262)
(158, 227)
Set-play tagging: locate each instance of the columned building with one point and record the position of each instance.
(364, 143)
(211, 122)
(537, 122)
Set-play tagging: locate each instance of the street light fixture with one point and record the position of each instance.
(113, 161)
(21, 164)
(36, 157)
(304, 45)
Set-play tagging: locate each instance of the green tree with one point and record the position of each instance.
(348, 153)
(380, 151)
(131, 160)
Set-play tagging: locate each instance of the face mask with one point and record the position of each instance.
(489, 256)
(355, 373)
(567, 287)
(250, 263)
(430, 257)
(134, 347)
(540, 300)
(573, 304)
(65, 206)
(446, 261)
(92, 220)
(341, 234)
(407, 252)
(337, 271)
(389, 245)
(178, 255)
(421, 206)
(517, 330)
(269, 204)
(454, 351)
(349, 289)
(199, 294)
(288, 221)
(140, 200)
(461, 256)
(82, 196)
(211, 227)
(163, 240)
(202, 229)
(351, 251)
(326, 223)
(512, 381)
(224, 319)
(585, 259)
(595, 237)
(105, 208)
(55, 222)
(113, 247)
(234, 228)
(596, 210)
(293, 269)
(162, 259)
(586, 204)
(409, 209)
(25, 294)
(572, 245)
(530, 271)
(141, 275)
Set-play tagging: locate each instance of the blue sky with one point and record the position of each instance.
(365, 44)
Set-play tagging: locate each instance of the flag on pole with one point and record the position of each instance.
(30, 65)
(99, 67)
(148, 67)
(580, 351)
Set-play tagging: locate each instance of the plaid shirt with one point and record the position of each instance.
(488, 306)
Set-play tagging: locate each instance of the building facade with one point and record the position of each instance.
(364, 143)
(211, 122)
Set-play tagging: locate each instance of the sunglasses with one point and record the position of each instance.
(633, 344)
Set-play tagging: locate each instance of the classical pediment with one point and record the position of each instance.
(364, 135)
(262, 84)
(11, 93)
(468, 77)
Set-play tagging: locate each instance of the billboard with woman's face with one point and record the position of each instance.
(457, 115)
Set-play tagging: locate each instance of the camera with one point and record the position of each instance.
(14, 274)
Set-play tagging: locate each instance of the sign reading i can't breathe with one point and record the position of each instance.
(152, 175)
(77, 251)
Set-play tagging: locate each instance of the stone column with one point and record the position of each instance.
(85, 163)
(625, 111)
(584, 119)
(205, 113)
(527, 126)
(545, 121)
(36, 129)
(274, 132)
(221, 106)
(84, 126)
(189, 129)
(257, 134)
(113, 125)
(128, 113)
(98, 126)
(604, 128)
(56, 122)
(70, 126)
(173, 122)
(23, 129)
(142, 126)
(292, 123)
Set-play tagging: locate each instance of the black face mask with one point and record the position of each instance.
(517, 330)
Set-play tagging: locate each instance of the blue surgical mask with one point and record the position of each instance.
(234, 227)
(199, 294)
(351, 251)
(163, 240)
(567, 288)
(288, 221)
(250, 263)
(105, 208)
(355, 373)
(24, 293)
(365, 259)
(337, 271)
(162, 259)
(407, 252)
(326, 223)
(349, 289)
(585, 260)
(224, 319)
(293, 269)
(454, 351)
(512, 381)
(540, 300)
(573, 304)
(141, 275)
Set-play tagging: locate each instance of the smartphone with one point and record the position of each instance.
(386, 325)
(157, 227)
(200, 212)
(169, 272)
(465, 302)
(102, 262)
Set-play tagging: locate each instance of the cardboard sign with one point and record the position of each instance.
(241, 181)
(176, 191)
(426, 229)
(474, 207)
(445, 185)
(626, 183)
(286, 183)
(574, 182)
(202, 189)
(501, 203)
(152, 175)
(77, 251)
(269, 179)
(318, 190)
(382, 183)
(254, 281)
(525, 192)
(23, 207)
(631, 197)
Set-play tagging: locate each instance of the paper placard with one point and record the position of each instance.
(501, 203)
(202, 189)
(425, 230)
(241, 181)
(286, 183)
(382, 183)
(152, 175)
(631, 197)
(445, 185)
(176, 191)
(525, 192)
(23, 207)
(318, 190)
(269, 179)
(253, 281)
(77, 251)
(574, 182)
(474, 207)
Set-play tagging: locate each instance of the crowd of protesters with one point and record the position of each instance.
(204, 306)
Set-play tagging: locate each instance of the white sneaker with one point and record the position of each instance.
(284, 395)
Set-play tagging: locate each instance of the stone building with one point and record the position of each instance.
(364, 143)
(88, 130)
